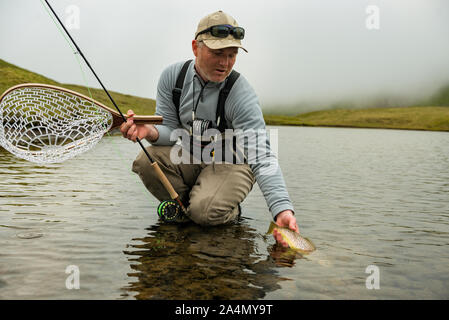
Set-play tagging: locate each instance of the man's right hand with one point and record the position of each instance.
(288, 220)
(132, 131)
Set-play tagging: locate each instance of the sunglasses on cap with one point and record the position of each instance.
(224, 30)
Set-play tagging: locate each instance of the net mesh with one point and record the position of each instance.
(46, 125)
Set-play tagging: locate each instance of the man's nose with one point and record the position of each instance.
(224, 61)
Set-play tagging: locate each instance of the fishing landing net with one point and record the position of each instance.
(48, 125)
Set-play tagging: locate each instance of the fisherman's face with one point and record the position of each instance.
(213, 64)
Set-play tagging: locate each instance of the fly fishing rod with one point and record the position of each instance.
(162, 178)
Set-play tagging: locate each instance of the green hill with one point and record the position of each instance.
(11, 75)
(433, 116)
(411, 118)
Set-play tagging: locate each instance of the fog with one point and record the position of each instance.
(303, 55)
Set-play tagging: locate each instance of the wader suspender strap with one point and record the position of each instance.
(232, 78)
(176, 92)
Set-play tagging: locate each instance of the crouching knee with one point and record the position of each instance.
(204, 213)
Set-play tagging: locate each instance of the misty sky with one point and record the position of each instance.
(299, 50)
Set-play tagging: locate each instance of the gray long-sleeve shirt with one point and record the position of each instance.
(242, 111)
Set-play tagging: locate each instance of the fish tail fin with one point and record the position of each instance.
(311, 243)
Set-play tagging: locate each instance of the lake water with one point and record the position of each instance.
(370, 200)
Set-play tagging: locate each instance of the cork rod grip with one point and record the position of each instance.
(163, 179)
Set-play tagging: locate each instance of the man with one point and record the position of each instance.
(211, 192)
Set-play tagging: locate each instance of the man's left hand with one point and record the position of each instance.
(288, 220)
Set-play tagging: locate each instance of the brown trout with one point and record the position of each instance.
(293, 239)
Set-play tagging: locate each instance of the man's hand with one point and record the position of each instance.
(142, 131)
(285, 219)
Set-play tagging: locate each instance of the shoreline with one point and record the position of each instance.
(419, 118)
(351, 127)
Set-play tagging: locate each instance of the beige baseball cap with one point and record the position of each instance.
(214, 19)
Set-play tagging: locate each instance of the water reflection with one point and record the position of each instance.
(283, 257)
(194, 262)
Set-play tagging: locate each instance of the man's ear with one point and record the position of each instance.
(195, 47)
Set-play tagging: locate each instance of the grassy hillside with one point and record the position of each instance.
(11, 75)
(432, 117)
(413, 118)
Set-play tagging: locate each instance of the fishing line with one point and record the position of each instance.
(76, 56)
(94, 73)
(71, 47)
(162, 178)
